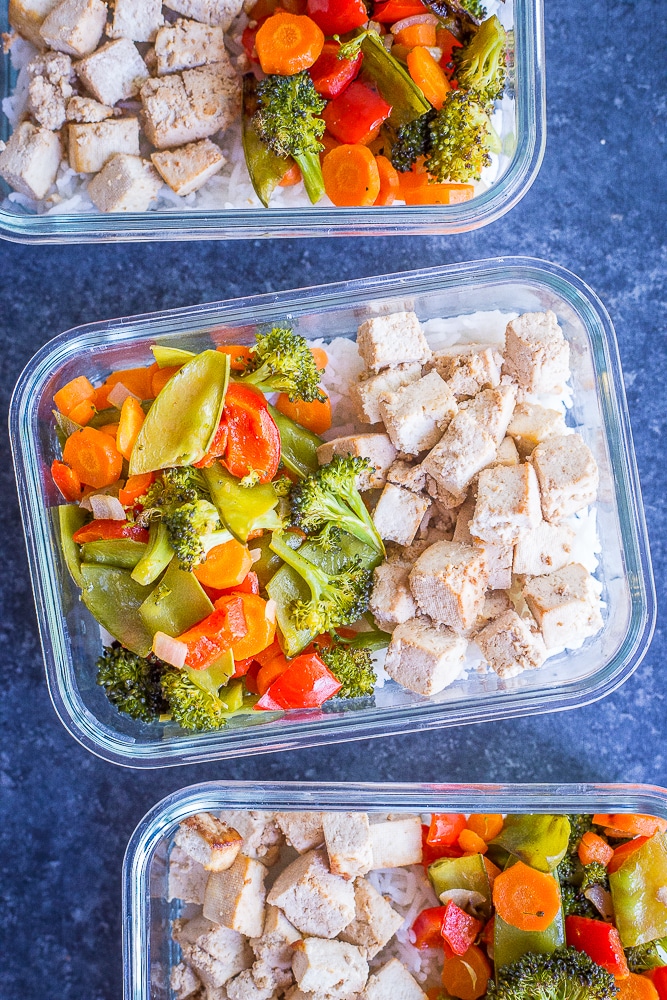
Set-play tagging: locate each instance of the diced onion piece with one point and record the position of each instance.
(407, 22)
(106, 491)
(119, 394)
(256, 555)
(169, 649)
(465, 899)
(601, 900)
(105, 507)
(270, 610)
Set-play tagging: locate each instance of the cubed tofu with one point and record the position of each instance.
(406, 474)
(348, 842)
(26, 18)
(493, 409)
(424, 657)
(215, 953)
(313, 900)
(448, 582)
(498, 555)
(367, 392)
(537, 356)
(544, 549)
(465, 449)
(303, 830)
(184, 981)
(396, 339)
(392, 981)
(512, 644)
(30, 160)
(531, 424)
(447, 501)
(184, 107)
(508, 504)
(236, 898)
(468, 368)
(187, 168)
(262, 837)
(399, 513)
(335, 968)
(209, 841)
(272, 968)
(507, 452)
(85, 109)
(377, 448)
(115, 72)
(187, 878)
(75, 26)
(220, 12)
(417, 414)
(244, 987)
(138, 20)
(496, 602)
(89, 146)
(396, 842)
(565, 605)
(391, 600)
(186, 44)
(375, 921)
(568, 475)
(125, 184)
(49, 89)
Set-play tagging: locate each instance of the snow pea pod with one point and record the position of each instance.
(393, 82)
(266, 169)
(242, 509)
(70, 519)
(182, 422)
(212, 678)
(170, 357)
(639, 893)
(124, 553)
(509, 943)
(462, 873)
(298, 446)
(536, 839)
(114, 599)
(176, 604)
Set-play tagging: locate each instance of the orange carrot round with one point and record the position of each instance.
(239, 355)
(467, 976)
(160, 379)
(351, 175)
(485, 825)
(93, 456)
(593, 848)
(634, 987)
(129, 425)
(429, 76)
(632, 824)
(270, 672)
(471, 843)
(389, 186)
(225, 565)
(320, 357)
(288, 43)
(434, 194)
(79, 390)
(110, 429)
(315, 416)
(83, 412)
(525, 898)
(291, 176)
(261, 629)
(66, 480)
(421, 33)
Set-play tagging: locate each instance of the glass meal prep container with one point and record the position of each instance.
(520, 124)
(149, 953)
(71, 638)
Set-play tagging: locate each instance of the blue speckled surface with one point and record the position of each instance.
(599, 208)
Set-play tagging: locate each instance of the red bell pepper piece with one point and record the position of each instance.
(335, 17)
(241, 667)
(216, 448)
(307, 683)
(249, 585)
(66, 480)
(623, 852)
(427, 927)
(659, 979)
(459, 929)
(248, 41)
(331, 75)
(599, 941)
(431, 852)
(215, 635)
(395, 10)
(250, 678)
(356, 115)
(445, 829)
(105, 529)
(253, 440)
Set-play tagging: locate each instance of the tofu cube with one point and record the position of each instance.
(182, 108)
(399, 513)
(244, 987)
(272, 968)
(30, 160)
(392, 980)
(209, 841)
(377, 448)
(348, 842)
(235, 898)
(537, 356)
(424, 657)
(85, 109)
(493, 409)
(448, 582)
(187, 168)
(468, 368)
(137, 20)
(26, 17)
(184, 981)
(448, 502)
(512, 644)
(566, 606)
(375, 921)
(507, 452)
(397, 339)
(496, 603)
(412, 477)
(186, 44)
(314, 900)
(187, 877)
(91, 145)
(508, 504)
(125, 184)
(531, 424)
(498, 555)
(114, 72)
(465, 449)
(417, 414)
(391, 600)
(396, 842)
(220, 12)
(543, 549)
(74, 26)
(49, 89)
(262, 837)
(367, 392)
(334, 968)
(303, 830)
(216, 954)
(568, 475)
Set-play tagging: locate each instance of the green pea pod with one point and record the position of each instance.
(169, 357)
(298, 446)
(110, 415)
(395, 85)
(462, 873)
(538, 840)
(114, 599)
(639, 893)
(266, 170)
(65, 427)
(268, 563)
(509, 943)
(242, 509)
(176, 604)
(212, 679)
(232, 696)
(121, 552)
(182, 422)
(70, 519)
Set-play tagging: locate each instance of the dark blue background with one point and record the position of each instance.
(599, 208)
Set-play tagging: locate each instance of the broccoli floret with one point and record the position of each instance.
(480, 64)
(336, 598)
(283, 362)
(474, 7)
(566, 974)
(594, 874)
(286, 121)
(575, 903)
(353, 668)
(190, 706)
(580, 823)
(132, 683)
(328, 502)
(194, 529)
(652, 955)
(412, 141)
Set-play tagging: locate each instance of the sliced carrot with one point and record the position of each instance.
(261, 628)
(288, 43)
(416, 34)
(270, 672)
(239, 355)
(492, 871)
(429, 76)
(135, 487)
(137, 380)
(266, 655)
(320, 357)
(485, 825)
(110, 429)
(93, 456)
(632, 824)
(351, 175)
(129, 425)
(421, 192)
(225, 565)
(160, 379)
(593, 848)
(389, 186)
(83, 412)
(525, 898)
(635, 987)
(471, 843)
(315, 416)
(291, 177)
(329, 143)
(623, 852)
(66, 480)
(79, 390)
(467, 976)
